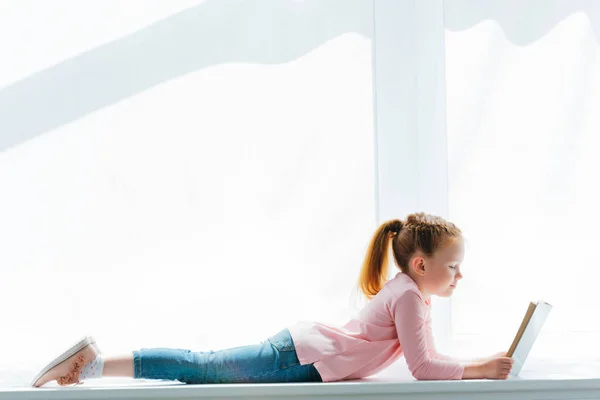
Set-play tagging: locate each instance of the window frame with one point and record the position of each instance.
(409, 99)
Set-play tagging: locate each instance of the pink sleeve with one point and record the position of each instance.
(431, 343)
(409, 317)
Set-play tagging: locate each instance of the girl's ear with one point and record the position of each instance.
(418, 266)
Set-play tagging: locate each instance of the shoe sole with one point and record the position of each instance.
(81, 344)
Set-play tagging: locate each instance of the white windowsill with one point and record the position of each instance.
(572, 380)
(515, 389)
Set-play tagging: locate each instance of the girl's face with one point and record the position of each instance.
(439, 275)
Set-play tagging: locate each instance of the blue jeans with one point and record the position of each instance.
(272, 361)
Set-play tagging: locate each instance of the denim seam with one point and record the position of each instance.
(289, 366)
(292, 348)
(284, 346)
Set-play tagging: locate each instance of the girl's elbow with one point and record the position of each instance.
(424, 373)
(423, 377)
(419, 372)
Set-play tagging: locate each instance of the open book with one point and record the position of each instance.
(528, 331)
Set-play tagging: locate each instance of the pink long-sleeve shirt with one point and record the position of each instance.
(396, 322)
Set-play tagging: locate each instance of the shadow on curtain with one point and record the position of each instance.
(185, 42)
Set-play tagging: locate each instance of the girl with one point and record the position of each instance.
(396, 321)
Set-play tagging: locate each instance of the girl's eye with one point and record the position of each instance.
(452, 266)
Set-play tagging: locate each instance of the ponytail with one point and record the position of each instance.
(373, 274)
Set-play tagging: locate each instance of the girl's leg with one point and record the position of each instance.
(274, 360)
(118, 366)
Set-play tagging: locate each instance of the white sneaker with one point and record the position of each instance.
(66, 368)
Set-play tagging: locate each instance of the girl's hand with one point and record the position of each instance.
(497, 367)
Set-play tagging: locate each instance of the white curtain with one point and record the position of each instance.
(523, 93)
(192, 174)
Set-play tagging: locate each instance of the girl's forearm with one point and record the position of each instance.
(473, 371)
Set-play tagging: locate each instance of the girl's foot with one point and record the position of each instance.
(66, 369)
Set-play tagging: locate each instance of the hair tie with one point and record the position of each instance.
(396, 227)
